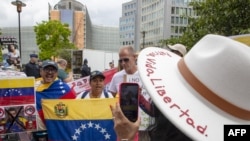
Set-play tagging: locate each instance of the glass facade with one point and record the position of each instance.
(127, 23)
(162, 19)
(105, 38)
(66, 16)
(84, 33)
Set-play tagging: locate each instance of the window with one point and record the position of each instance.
(173, 10)
(177, 10)
(172, 20)
(69, 5)
(177, 20)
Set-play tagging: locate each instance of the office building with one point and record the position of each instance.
(84, 33)
(154, 20)
(163, 19)
(127, 23)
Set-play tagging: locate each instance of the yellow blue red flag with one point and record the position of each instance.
(79, 119)
(17, 91)
(17, 106)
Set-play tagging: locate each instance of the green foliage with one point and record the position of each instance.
(52, 37)
(66, 54)
(223, 17)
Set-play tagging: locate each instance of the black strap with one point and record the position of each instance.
(86, 92)
(106, 94)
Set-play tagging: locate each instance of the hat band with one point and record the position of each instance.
(211, 96)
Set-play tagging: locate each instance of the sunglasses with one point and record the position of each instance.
(50, 69)
(124, 59)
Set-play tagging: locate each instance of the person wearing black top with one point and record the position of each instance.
(85, 68)
(32, 68)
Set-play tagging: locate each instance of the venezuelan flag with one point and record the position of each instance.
(17, 91)
(79, 119)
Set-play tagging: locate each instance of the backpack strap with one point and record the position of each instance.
(106, 94)
(86, 92)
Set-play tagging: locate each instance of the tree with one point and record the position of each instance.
(66, 54)
(52, 37)
(223, 17)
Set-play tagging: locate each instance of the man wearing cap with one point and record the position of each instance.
(50, 87)
(32, 68)
(97, 87)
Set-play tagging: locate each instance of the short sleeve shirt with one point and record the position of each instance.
(62, 74)
(117, 79)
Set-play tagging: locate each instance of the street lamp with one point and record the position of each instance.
(19, 4)
(143, 39)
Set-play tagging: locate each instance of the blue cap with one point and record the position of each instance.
(95, 74)
(34, 55)
(49, 63)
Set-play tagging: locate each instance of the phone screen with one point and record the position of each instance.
(129, 100)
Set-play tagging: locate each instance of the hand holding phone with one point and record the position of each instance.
(129, 93)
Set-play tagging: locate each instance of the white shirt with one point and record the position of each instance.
(118, 78)
(13, 56)
(79, 96)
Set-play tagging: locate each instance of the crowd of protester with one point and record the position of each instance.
(51, 81)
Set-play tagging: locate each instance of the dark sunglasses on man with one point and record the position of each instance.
(50, 69)
(123, 59)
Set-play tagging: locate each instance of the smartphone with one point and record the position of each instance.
(129, 93)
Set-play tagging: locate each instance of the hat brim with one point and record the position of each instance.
(177, 100)
(50, 65)
(102, 76)
(171, 47)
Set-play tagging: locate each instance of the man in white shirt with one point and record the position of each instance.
(127, 59)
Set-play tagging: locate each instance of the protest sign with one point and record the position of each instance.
(17, 108)
(82, 84)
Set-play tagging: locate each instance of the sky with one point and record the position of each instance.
(102, 12)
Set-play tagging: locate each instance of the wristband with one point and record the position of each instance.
(124, 139)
